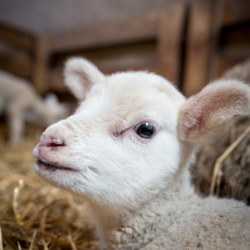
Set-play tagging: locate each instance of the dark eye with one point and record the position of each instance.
(145, 130)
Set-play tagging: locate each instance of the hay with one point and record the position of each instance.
(1, 239)
(34, 215)
(217, 172)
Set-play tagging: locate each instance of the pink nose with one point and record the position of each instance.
(51, 142)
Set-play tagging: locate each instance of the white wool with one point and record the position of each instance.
(22, 104)
(138, 190)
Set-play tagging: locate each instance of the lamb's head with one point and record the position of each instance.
(126, 140)
(121, 144)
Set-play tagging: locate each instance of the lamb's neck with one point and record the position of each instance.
(136, 228)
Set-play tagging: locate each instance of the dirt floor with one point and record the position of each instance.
(38, 216)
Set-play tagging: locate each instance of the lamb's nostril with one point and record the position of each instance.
(51, 142)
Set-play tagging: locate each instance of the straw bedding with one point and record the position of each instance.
(41, 216)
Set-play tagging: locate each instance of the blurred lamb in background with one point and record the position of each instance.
(20, 102)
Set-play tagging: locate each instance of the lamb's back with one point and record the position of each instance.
(208, 224)
(15, 93)
(13, 87)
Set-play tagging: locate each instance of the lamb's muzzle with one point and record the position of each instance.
(131, 142)
(47, 161)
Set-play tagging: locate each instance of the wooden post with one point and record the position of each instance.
(40, 70)
(169, 41)
(203, 28)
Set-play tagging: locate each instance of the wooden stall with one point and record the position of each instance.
(148, 42)
(25, 54)
(218, 37)
(188, 42)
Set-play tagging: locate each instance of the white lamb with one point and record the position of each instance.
(22, 104)
(127, 150)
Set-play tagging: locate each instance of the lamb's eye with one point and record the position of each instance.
(145, 130)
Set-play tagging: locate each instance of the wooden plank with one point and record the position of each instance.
(16, 64)
(40, 69)
(170, 35)
(16, 37)
(202, 33)
(138, 56)
(56, 79)
(128, 55)
(119, 32)
(217, 17)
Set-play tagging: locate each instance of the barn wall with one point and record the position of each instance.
(61, 15)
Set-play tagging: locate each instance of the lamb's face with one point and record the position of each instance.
(121, 144)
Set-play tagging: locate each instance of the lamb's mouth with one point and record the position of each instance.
(52, 167)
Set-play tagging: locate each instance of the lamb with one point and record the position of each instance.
(127, 150)
(22, 104)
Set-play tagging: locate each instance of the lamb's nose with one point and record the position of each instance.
(51, 142)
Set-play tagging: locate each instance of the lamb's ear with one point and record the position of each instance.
(216, 103)
(80, 76)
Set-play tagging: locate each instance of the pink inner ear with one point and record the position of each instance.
(195, 121)
(202, 113)
(191, 119)
(206, 111)
(197, 113)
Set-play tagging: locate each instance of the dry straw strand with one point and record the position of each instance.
(43, 221)
(33, 240)
(17, 192)
(1, 239)
(72, 244)
(45, 245)
(217, 173)
(18, 245)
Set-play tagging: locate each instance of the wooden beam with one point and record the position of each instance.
(218, 9)
(16, 37)
(56, 79)
(139, 56)
(114, 33)
(200, 53)
(170, 33)
(40, 69)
